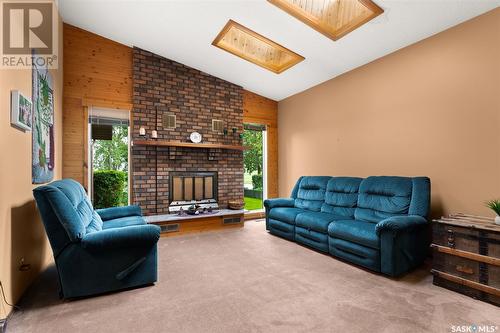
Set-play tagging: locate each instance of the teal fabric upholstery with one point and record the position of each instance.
(285, 214)
(359, 232)
(341, 196)
(311, 238)
(112, 213)
(93, 256)
(383, 197)
(355, 253)
(123, 222)
(311, 193)
(282, 229)
(279, 202)
(316, 221)
(379, 222)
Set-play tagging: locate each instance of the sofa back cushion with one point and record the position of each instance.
(341, 196)
(65, 203)
(311, 192)
(381, 197)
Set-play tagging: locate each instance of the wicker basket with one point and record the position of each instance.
(236, 204)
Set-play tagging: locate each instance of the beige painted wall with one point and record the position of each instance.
(431, 109)
(21, 231)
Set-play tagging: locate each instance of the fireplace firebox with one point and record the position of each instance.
(192, 188)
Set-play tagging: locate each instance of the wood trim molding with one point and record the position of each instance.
(255, 48)
(110, 104)
(471, 284)
(467, 255)
(302, 10)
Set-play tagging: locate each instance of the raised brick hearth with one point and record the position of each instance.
(165, 86)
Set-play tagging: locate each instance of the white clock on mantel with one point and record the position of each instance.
(195, 137)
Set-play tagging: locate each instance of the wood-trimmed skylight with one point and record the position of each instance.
(333, 18)
(251, 46)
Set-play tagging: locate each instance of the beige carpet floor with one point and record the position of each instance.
(247, 280)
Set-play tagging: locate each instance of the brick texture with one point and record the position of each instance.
(164, 86)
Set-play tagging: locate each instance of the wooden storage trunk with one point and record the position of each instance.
(466, 256)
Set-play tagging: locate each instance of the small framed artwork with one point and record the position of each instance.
(21, 114)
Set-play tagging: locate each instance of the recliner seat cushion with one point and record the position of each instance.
(382, 197)
(285, 214)
(123, 222)
(359, 232)
(311, 192)
(316, 221)
(341, 196)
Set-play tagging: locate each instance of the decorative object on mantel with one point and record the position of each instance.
(494, 205)
(195, 137)
(142, 131)
(161, 143)
(236, 204)
(21, 114)
(43, 147)
(154, 134)
(467, 256)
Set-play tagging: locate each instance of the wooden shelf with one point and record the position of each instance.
(161, 143)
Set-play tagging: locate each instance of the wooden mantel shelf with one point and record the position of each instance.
(162, 143)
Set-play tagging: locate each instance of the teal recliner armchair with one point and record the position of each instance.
(96, 251)
(378, 222)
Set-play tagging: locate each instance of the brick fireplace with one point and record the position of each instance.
(163, 87)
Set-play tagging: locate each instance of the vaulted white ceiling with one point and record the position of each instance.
(183, 30)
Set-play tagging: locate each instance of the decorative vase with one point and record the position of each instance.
(497, 220)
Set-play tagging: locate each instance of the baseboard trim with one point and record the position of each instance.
(3, 325)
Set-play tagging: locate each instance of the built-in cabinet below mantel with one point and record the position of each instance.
(162, 143)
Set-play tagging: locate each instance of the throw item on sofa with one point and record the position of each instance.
(379, 222)
(96, 251)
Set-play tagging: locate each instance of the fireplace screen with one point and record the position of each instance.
(188, 188)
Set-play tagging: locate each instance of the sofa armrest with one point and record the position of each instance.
(117, 238)
(404, 243)
(279, 202)
(117, 212)
(398, 224)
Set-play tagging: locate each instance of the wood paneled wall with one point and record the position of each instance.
(264, 111)
(97, 72)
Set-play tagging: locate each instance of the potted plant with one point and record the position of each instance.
(494, 205)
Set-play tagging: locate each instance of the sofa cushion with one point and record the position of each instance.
(123, 222)
(316, 221)
(285, 214)
(359, 232)
(311, 192)
(341, 196)
(382, 197)
(355, 253)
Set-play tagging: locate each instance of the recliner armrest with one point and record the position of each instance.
(279, 202)
(400, 223)
(117, 212)
(126, 237)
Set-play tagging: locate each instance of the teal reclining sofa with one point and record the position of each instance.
(379, 222)
(96, 251)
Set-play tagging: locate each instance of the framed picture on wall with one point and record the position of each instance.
(21, 114)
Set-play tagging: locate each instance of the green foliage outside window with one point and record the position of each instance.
(109, 188)
(110, 164)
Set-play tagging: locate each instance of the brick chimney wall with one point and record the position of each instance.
(163, 86)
